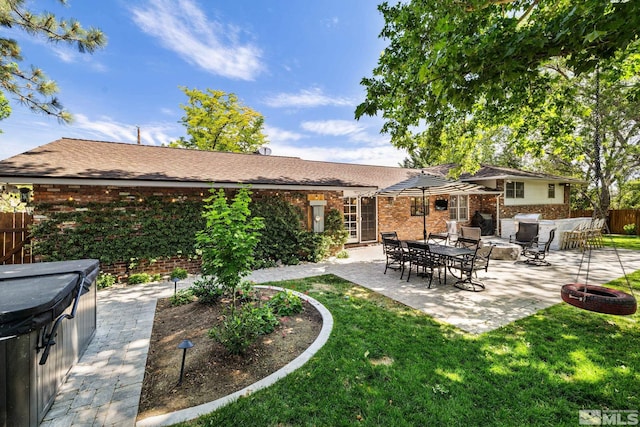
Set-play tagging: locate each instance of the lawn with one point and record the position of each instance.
(388, 365)
(622, 241)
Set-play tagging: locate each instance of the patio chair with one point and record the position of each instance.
(388, 235)
(526, 235)
(536, 253)
(468, 243)
(471, 232)
(424, 261)
(396, 255)
(469, 265)
(438, 238)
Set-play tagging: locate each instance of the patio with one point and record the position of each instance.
(513, 289)
(106, 383)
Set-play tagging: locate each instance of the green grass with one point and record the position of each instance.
(538, 371)
(622, 241)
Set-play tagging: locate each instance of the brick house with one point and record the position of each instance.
(521, 191)
(95, 171)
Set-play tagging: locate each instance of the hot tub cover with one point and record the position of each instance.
(33, 295)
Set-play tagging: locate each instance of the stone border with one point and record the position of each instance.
(196, 411)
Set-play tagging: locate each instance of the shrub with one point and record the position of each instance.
(629, 229)
(342, 254)
(105, 280)
(312, 246)
(285, 303)
(280, 240)
(182, 297)
(138, 278)
(207, 290)
(245, 291)
(267, 319)
(179, 273)
(241, 327)
(335, 232)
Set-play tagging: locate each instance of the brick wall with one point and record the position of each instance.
(394, 214)
(550, 211)
(61, 198)
(160, 266)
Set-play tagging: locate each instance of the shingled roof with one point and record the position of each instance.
(498, 172)
(76, 159)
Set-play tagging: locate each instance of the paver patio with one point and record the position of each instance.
(513, 289)
(104, 387)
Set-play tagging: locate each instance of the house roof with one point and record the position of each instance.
(77, 160)
(487, 172)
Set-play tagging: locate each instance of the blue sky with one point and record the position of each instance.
(298, 63)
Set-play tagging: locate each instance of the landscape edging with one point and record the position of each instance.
(196, 411)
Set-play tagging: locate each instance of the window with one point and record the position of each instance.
(552, 191)
(350, 213)
(514, 190)
(459, 208)
(416, 206)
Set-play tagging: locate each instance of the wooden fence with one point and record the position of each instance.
(14, 231)
(616, 219)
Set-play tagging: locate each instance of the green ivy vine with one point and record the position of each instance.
(119, 231)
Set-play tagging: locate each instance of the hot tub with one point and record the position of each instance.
(47, 319)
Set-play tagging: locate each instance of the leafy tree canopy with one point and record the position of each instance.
(456, 71)
(5, 109)
(32, 87)
(217, 121)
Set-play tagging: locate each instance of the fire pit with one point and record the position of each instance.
(47, 319)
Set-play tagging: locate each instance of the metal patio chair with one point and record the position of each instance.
(424, 261)
(469, 265)
(396, 255)
(536, 254)
(438, 238)
(526, 235)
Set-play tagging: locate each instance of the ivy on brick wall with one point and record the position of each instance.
(119, 231)
(154, 228)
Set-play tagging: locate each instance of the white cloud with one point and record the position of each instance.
(182, 27)
(352, 130)
(381, 156)
(277, 134)
(331, 22)
(306, 98)
(342, 141)
(105, 128)
(333, 127)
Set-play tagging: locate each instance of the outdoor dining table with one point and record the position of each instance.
(449, 253)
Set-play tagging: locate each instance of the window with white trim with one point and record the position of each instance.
(459, 207)
(514, 190)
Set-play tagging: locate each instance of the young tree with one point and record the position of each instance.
(31, 87)
(217, 121)
(229, 239)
